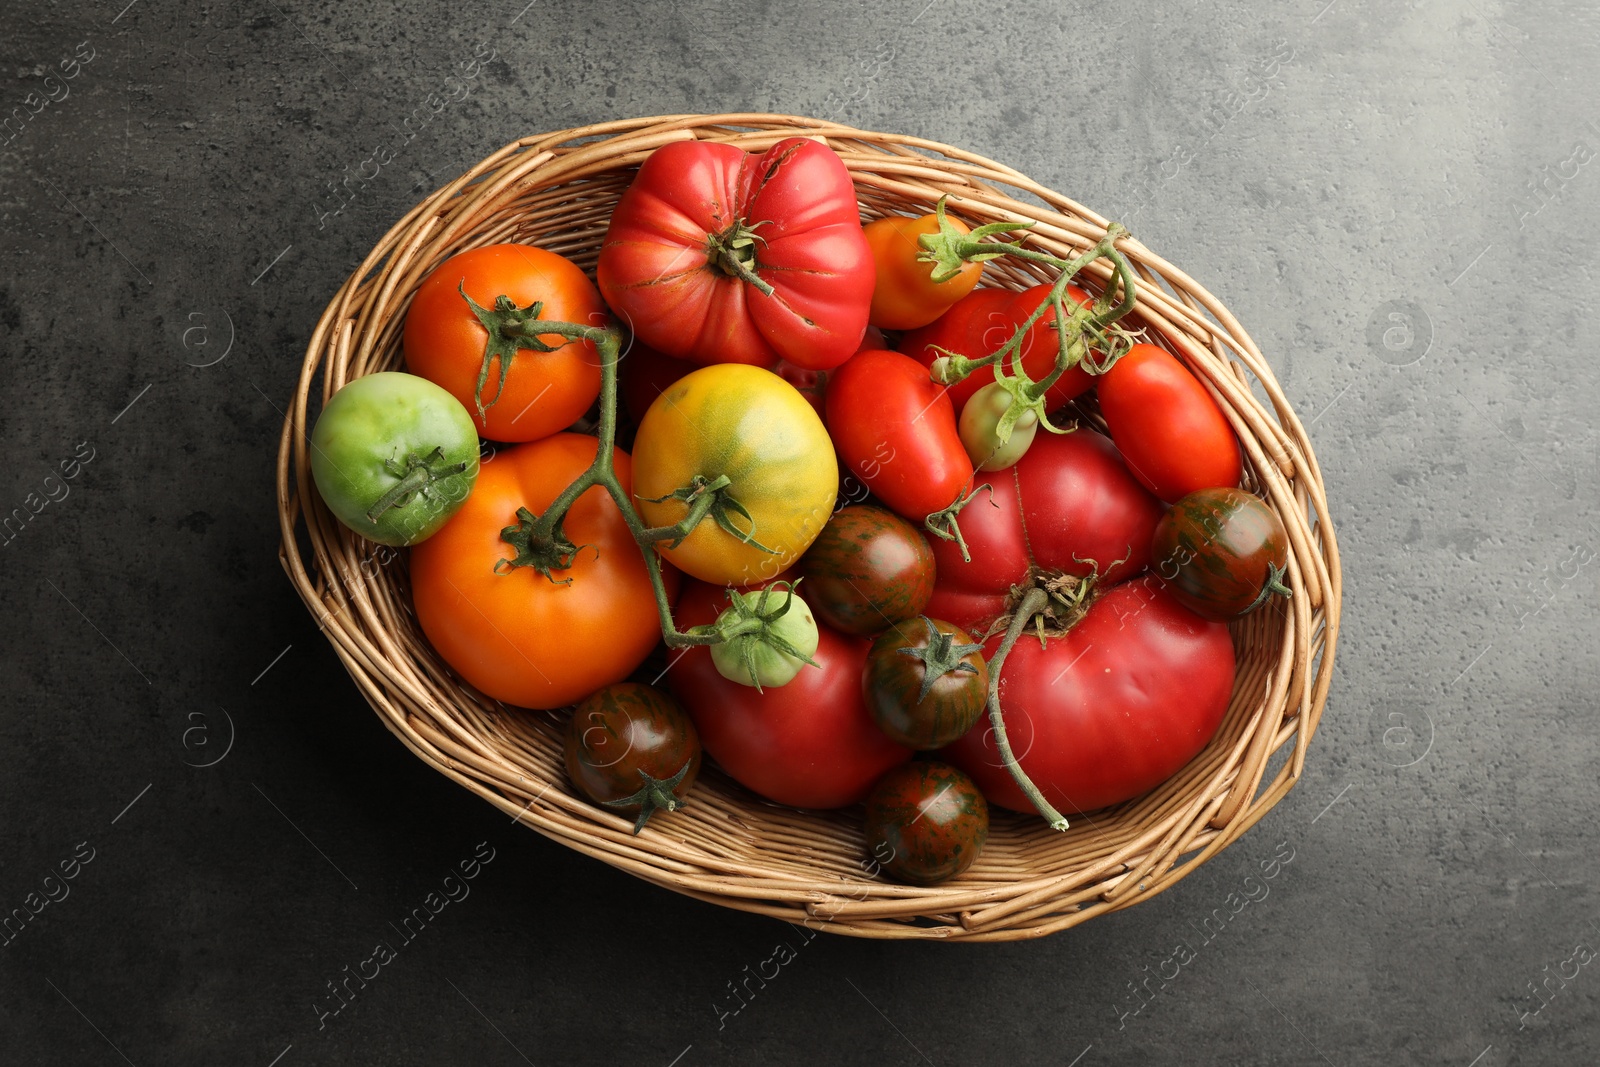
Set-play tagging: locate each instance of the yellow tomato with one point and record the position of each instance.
(755, 429)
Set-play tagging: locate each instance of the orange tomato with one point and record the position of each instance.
(906, 295)
(514, 634)
(543, 391)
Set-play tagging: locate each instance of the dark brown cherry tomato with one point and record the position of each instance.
(1222, 552)
(925, 682)
(926, 822)
(867, 570)
(630, 748)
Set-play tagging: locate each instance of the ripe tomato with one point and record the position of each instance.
(896, 431)
(514, 634)
(867, 570)
(705, 227)
(1110, 710)
(810, 743)
(753, 427)
(905, 295)
(926, 822)
(1171, 432)
(1068, 505)
(925, 683)
(632, 748)
(1222, 552)
(981, 322)
(541, 392)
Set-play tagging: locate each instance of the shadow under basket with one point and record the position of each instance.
(728, 846)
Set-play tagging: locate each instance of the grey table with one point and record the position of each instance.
(1397, 199)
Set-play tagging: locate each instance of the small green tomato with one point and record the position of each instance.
(980, 429)
(394, 457)
(767, 636)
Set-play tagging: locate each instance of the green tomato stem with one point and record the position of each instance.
(546, 528)
(1031, 604)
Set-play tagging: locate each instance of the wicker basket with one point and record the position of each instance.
(728, 846)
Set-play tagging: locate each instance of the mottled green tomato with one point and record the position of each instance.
(868, 570)
(394, 456)
(768, 635)
(632, 748)
(980, 430)
(1222, 552)
(925, 682)
(926, 822)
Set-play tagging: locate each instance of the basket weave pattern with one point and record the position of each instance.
(728, 846)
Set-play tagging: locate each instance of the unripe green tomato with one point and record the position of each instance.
(979, 428)
(386, 431)
(752, 658)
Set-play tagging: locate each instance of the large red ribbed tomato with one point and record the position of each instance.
(1069, 505)
(719, 255)
(1108, 711)
(810, 743)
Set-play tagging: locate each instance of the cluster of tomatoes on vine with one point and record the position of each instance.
(1025, 611)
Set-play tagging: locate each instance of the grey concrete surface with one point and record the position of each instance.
(1400, 202)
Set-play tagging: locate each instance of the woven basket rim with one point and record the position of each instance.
(729, 847)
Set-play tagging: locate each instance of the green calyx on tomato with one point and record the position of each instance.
(760, 643)
(554, 552)
(509, 332)
(941, 655)
(925, 683)
(706, 496)
(733, 251)
(656, 794)
(394, 457)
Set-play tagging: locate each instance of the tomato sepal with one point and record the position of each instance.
(656, 794)
(758, 647)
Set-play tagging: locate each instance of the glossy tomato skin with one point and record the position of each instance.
(926, 822)
(752, 426)
(621, 730)
(867, 570)
(808, 744)
(517, 636)
(1082, 509)
(1069, 505)
(1109, 711)
(893, 680)
(896, 431)
(1218, 550)
(1171, 432)
(905, 295)
(444, 341)
(657, 272)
